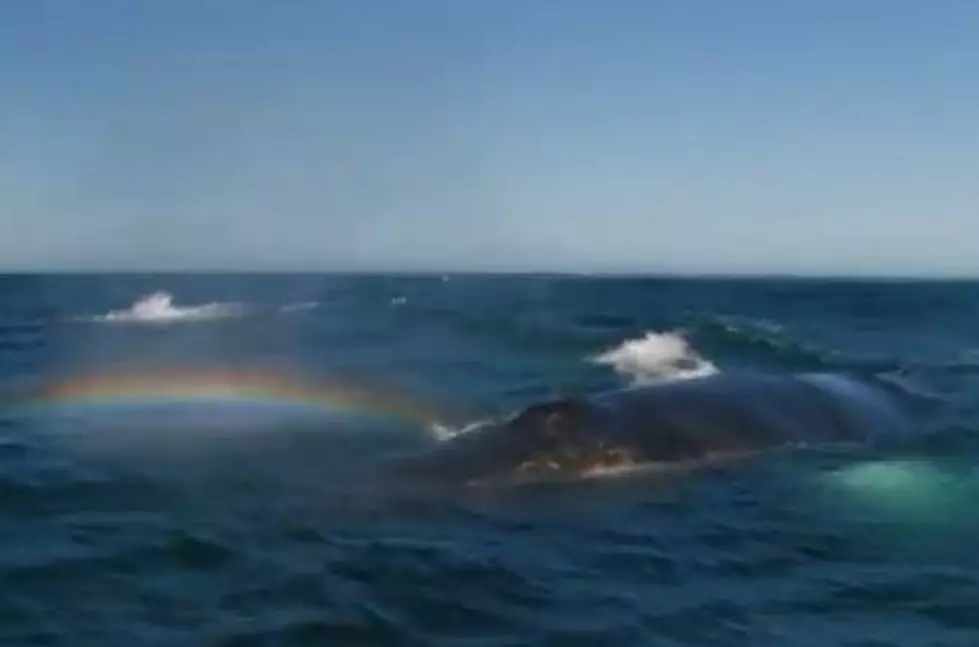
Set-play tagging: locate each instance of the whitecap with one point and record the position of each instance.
(443, 432)
(158, 308)
(299, 306)
(657, 356)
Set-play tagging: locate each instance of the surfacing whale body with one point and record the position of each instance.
(666, 425)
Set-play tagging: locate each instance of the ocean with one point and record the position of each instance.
(181, 454)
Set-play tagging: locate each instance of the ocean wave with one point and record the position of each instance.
(656, 356)
(158, 308)
(767, 340)
(767, 344)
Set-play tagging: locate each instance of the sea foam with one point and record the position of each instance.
(656, 356)
(158, 308)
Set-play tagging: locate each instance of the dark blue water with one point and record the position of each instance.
(245, 529)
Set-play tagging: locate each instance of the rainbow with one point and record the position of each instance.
(194, 386)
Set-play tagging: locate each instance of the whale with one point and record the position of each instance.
(665, 425)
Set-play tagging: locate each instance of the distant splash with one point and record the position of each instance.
(657, 356)
(158, 308)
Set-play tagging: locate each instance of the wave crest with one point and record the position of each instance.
(657, 356)
(158, 308)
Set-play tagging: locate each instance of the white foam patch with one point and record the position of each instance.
(158, 308)
(299, 307)
(444, 432)
(657, 356)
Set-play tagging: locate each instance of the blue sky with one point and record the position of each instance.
(718, 136)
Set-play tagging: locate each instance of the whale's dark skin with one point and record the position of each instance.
(667, 424)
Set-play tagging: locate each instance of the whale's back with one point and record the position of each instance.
(734, 413)
(667, 423)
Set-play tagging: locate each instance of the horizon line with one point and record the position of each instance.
(515, 273)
